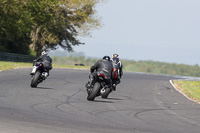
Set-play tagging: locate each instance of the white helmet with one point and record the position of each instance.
(43, 53)
(115, 56)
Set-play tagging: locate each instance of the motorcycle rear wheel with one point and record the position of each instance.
(94, 92)
(34, 81)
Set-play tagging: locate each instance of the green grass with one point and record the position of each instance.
(4, 65)
(189, 88)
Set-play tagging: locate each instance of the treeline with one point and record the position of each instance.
(162, 68)
(70, 60)
(30, 26)
(137, 66)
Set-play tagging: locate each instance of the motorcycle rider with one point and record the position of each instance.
(103, 66)
(47, 62)
(117, 66)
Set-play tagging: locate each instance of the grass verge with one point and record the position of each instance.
(189, 88)
(4, 65)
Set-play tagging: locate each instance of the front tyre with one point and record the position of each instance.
(34, 81)
(95, 90)
(106, 93)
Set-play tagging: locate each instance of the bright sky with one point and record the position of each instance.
(158, 30)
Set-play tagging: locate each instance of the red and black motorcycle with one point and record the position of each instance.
(115, 78)
(99, 88)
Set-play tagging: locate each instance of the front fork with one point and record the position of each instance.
(34, 69)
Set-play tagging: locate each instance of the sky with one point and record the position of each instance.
(157, 30)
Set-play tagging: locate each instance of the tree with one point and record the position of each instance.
(44, 24)
(14, 27)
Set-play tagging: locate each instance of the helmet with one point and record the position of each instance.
(43, 53)
(106, 58)
(115, 56)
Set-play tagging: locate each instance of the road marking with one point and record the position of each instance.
(182, 92)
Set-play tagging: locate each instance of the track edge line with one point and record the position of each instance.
(182, 92)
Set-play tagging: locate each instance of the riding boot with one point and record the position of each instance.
(90, 82)
(114, 87)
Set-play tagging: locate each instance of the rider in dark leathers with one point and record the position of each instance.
(103, 66)
(47, 62)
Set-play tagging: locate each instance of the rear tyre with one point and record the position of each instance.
(34, 81)
(94, 92)
(106, 93)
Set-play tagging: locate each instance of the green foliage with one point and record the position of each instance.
(137, 66)
(70, 60)
(13, 27)
(43, 24)
(162, 68)
(60, 22)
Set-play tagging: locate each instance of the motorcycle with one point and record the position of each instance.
(38, 74)
(115, 78)
(99, 88)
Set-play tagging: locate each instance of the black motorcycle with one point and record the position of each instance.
(39, 75)
(99, 88)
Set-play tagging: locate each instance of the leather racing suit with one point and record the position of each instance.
(103, 66)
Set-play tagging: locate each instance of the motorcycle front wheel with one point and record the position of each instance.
(34, 80)
(94, 92)
(106, 93)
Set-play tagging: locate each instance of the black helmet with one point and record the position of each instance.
(106, 58)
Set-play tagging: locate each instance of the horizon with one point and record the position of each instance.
(65, 53)
(166, 31)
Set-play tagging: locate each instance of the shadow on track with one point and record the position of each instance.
(45, 88)
(115, 99)
(102, 101)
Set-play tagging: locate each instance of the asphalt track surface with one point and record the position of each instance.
(143, 103)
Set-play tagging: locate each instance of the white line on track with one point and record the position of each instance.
(182, 92)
